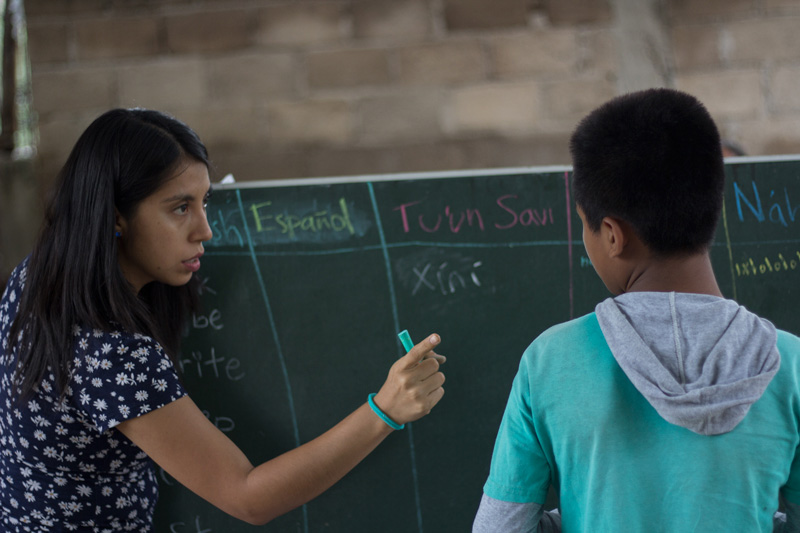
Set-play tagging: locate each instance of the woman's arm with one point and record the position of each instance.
(180, 439)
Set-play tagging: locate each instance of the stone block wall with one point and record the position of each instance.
(297, 88)
(742, 58)
(309, 88)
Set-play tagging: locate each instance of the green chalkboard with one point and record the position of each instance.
(306, 284)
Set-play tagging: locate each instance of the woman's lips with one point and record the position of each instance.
(193, 264)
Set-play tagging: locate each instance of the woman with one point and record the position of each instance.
(88, 394)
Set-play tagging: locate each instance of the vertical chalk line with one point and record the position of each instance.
(569, 247)
(396, 318)
(275, 337)
(730, 251)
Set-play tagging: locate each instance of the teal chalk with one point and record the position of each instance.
(405, 338)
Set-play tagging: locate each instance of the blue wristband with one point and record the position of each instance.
(389, 422)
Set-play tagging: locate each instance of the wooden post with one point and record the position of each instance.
(9, 79)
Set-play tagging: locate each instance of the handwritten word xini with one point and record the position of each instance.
(444, 278)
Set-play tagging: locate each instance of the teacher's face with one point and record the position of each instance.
(163, 239)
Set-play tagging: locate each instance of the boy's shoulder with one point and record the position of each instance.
(574, 325)
(581, 330)
(787, 380)
(575, 350)
(788, 344)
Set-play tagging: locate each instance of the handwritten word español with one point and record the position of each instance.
(507, 214)
(768, 265)
(292, 224)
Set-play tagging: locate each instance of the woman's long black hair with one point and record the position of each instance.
(73, 275)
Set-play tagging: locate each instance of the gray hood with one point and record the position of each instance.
(701, 361)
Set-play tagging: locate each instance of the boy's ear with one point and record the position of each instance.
(614, 236)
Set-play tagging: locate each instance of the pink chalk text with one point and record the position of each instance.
(508, 213)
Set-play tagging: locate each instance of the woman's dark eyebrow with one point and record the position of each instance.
(184, 197)
(178, 198)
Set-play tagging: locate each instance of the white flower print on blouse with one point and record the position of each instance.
(63, 466)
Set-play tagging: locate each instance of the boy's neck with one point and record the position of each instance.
(688, 273)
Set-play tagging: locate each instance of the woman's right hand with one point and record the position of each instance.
(180, 439)
(414, 384)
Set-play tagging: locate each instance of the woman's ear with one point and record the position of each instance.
(120, 223)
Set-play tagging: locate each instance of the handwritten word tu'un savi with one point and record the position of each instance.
(780, 209)
(452, 220)
(749, 267)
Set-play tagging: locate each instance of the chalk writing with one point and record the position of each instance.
(291, 224)
(204, 287)
(768, 265)
(212, 320)
(455, 220)
(181, 527)
(195, 364)
(780, 209)
(585, 262)
(443, 278)
(223, 423)
(166, 478)
(224, 228)
(434, 271)
(525, 217)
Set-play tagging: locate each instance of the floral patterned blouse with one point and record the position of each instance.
(63, 466)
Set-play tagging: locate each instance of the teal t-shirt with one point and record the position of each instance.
(574, 420)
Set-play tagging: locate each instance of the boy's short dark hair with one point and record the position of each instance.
(653, 159)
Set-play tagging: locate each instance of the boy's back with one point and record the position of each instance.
(669, 408)
(618, 465)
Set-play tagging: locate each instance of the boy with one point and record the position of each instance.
(669, 408)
